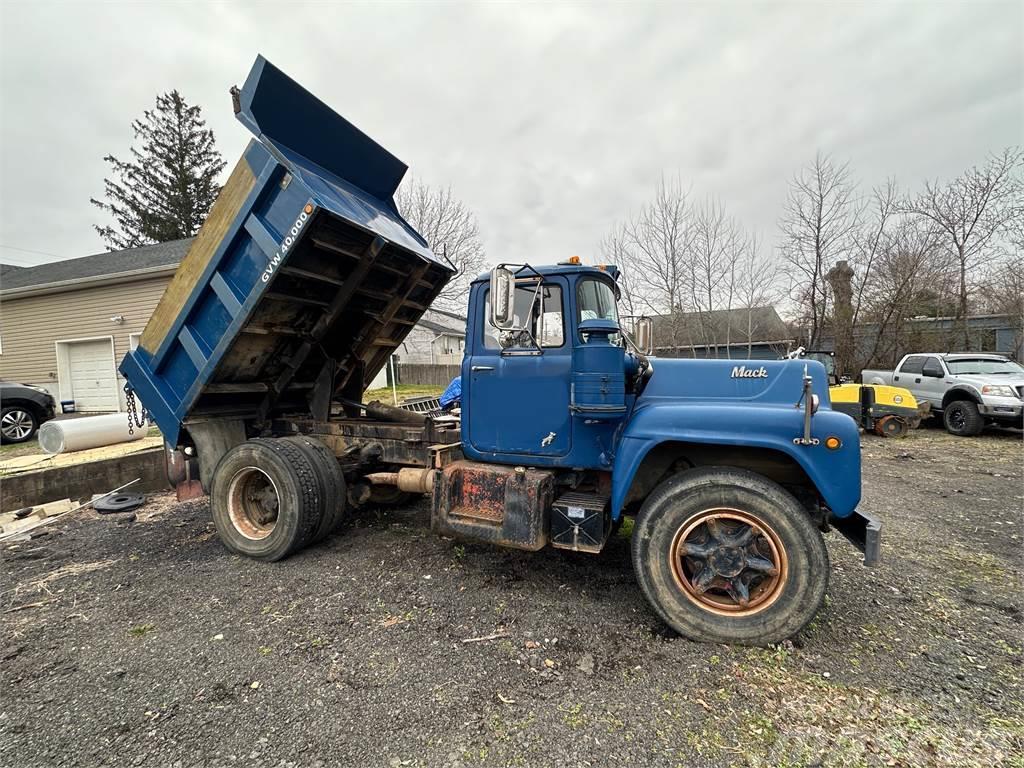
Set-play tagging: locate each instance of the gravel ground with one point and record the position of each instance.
(146, 643)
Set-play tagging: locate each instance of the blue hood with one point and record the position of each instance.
(753, 381)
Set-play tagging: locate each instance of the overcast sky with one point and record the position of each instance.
(550, 122)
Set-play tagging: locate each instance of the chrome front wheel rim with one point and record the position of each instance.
(16, 425)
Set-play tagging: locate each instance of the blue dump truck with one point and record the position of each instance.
(304, 280)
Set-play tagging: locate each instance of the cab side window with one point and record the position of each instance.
(913, 364)
(546, 321)
(932, 367)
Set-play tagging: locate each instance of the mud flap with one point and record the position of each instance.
(863, 531)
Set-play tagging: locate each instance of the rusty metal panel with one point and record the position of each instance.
(507, 506)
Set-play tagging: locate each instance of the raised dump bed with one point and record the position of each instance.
(302, 281)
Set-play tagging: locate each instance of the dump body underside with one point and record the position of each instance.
(300, 284)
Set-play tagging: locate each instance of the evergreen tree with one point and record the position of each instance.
(165, 191)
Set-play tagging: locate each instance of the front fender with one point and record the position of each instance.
(835, 473)
(958, 391)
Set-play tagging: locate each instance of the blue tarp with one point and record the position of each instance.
(453, 394)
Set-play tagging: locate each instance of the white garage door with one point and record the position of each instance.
(91, 368)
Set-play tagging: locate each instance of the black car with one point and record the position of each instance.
(23, 408)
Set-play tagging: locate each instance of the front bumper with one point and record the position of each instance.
(1006, 412)
(863, 531)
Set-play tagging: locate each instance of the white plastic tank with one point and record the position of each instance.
(87, 432)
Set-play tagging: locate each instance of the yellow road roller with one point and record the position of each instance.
(885, 410)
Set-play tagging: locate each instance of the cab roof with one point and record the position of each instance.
(546, 270)
(973, 356)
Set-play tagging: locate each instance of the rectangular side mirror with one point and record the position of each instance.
(503, 297)
(640, 330)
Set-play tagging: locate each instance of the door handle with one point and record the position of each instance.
(482, 368)
(917, 381)
(895, 378)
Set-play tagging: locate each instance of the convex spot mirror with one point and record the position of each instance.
(503, 296)
(640, 331)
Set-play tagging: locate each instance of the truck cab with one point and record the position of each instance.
(562, 356)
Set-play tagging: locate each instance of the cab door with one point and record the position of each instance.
(517, 402)
(933, 382)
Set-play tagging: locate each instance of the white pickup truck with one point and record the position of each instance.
(968, 389)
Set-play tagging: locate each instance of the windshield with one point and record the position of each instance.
(984, 366)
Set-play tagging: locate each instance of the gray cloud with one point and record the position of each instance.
(551, 122)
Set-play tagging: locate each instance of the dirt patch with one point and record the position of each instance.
(354, 653)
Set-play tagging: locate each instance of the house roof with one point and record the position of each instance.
(440, 321)
(98, 266)
(6, 270)
(719, 327)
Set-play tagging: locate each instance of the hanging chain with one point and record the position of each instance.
(135, 418)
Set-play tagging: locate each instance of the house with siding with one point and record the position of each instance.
(439, 338)
(66, 325)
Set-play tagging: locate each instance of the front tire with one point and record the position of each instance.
(963, 419)
(18, 424)
(725, 555)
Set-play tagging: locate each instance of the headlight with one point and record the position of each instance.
(999, 390)
(37, 389)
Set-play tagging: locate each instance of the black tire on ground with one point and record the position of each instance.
(685, 513)
(18, 424)
(963, 419)
(265, 498)
(332, 484)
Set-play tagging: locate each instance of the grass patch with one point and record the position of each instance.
(404, 392)
(141, 630)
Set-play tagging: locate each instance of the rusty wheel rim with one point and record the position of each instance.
(729, 562)
(253, 503)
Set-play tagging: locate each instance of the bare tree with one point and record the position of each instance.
(715, 250)
(910, 275)
(757, 285)
(451, 230)
(654, 245)
(820, 222)
(614, 250)
(1004, 285)
(971, 211)
(872, 238)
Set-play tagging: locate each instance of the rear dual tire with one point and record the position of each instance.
(725, 555)
(272, 497)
